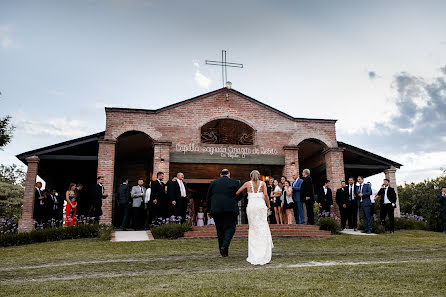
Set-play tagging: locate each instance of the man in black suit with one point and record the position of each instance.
(325, 199)
(39, 204)
(307, 195)
(55, 206)
(342, 202)
(179, 196)
(222, 204)
(98, 195)
(158, 201)
(387, 202)
(124, 199)
(352, 204)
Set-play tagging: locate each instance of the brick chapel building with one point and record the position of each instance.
(199, 136)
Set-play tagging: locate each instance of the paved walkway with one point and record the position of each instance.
(131, 236)
(352, 232)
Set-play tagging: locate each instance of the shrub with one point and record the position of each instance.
(55, 234)
(170, 231)
(328, 224)
(105, 232)
(421, 199)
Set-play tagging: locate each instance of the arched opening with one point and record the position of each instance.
(311, 156)
(133, 159)
(227, 131)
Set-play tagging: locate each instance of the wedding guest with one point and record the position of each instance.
(170, 208)
(282, 197)
(178, 197)
(200, 217)
(363, 193)
(299, 214)
(288, 202)
(46, 210)
(55, 207)
(39, 204)
(372, 199)
(98, 195)
(269, 190)
(83, 203)
(325, 199)
(70, 211)
(210, 220)
(307, 195)
(342, 202)
(277, 204)
(441, 198)
(158, 198)
(387, 202)
(352, 204)
(124, 199)
(147, 220)
(138, 193)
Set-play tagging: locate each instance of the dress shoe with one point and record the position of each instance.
(223, 253)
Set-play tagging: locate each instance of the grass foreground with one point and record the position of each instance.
(409, 263)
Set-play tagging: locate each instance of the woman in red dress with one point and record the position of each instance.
(70, 211)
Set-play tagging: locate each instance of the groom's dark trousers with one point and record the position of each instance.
(223, 206)
(225, 225)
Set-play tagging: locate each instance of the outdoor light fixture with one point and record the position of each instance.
(162, 160)
(293, 163)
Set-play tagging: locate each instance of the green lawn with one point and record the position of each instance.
(409, 263)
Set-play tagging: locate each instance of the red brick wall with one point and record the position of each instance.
(182, 123)
(334, 163)
(106, 168)
(26, 223)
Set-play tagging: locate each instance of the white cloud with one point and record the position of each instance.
(57, 93)
(203, 81)
(53, 127)
(5, 38)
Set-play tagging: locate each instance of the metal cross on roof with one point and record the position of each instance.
(224, 64)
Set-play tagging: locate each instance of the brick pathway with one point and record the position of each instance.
(276, 231)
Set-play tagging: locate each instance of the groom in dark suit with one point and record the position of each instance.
(223, 207)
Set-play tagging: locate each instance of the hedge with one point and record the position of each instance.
(102, 232)
(170, 231)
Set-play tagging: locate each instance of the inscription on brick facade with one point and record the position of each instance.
(225, 151)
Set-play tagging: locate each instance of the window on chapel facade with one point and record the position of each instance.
(227, 131)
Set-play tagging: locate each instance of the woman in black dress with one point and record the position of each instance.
(288, 202)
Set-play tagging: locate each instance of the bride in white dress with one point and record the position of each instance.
(260, 242)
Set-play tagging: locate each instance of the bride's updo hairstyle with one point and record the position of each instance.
(254, 175)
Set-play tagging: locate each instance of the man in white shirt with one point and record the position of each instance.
(387, 196)
(178, 197)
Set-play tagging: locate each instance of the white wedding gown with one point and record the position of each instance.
(260, 242)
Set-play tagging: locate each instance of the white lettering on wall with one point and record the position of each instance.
(228, 151)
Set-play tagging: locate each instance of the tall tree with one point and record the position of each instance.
(6, 129)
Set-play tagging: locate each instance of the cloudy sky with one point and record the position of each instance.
(379, 67)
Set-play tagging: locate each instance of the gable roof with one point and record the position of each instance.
(197, 98)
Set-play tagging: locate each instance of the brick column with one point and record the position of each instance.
(390, 175)
(26, 223)
(106, 168)
(291, 161)
(334, 164)
(161, 159)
